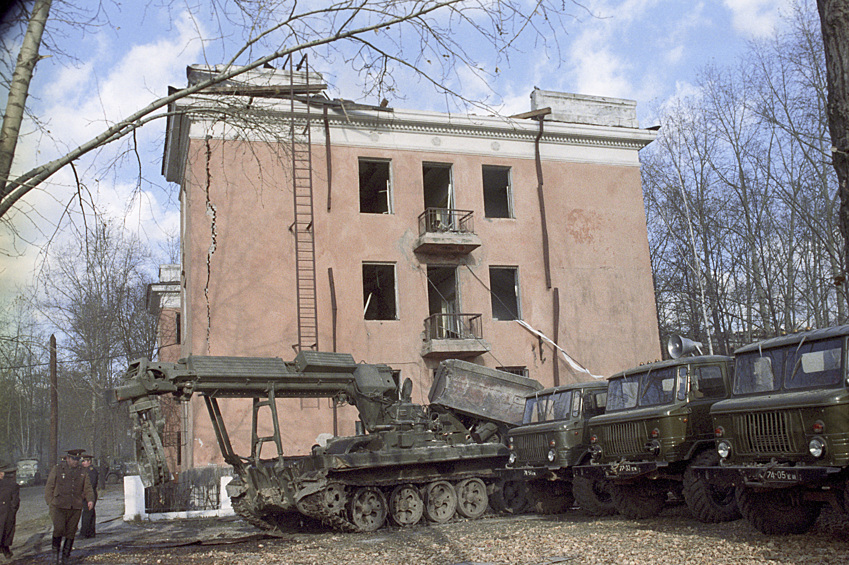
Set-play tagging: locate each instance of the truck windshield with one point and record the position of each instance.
(622, 393)
(814, 364)
(652, 388)
(548, 407)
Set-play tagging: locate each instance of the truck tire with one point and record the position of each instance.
(779, 511)
(638, 500)
(593, 496)
(708, 503)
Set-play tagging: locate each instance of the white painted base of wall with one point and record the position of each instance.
(134, 504)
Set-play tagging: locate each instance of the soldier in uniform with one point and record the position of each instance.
(68, 490)
(89, 515)
(10, 501)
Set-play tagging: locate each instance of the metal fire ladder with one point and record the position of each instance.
(303, 227)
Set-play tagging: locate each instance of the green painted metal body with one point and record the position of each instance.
(657, 418)
(788, 391)
(403, 443)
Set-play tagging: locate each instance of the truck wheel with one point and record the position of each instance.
(708, 503)
(550, 497)
(593, 496)
(638, 500)
(779, 511)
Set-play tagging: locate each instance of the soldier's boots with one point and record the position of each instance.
(66, 551)
(57, 549)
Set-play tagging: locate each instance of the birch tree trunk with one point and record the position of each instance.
(19, 90)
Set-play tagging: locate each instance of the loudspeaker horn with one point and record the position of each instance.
(680, 346)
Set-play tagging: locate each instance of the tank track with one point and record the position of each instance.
(275, 524)
(314, 506)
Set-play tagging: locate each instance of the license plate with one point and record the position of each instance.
(781, 475)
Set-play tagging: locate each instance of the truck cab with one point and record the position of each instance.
(782, 436)
(552, 439)
(656, 427)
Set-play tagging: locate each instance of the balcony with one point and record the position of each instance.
(455, 336)
(445, 230)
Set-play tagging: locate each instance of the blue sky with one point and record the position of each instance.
(645, 50)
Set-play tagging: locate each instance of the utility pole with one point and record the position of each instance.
(53, 456)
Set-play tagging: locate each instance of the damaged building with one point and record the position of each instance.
(402, 237)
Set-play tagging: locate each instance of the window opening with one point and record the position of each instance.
(521, 371)
(497, 196)
(379, 291)
(442, 299)
(375, 187)
(504, 292)
(439, 195)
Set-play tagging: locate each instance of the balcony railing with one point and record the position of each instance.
(446, 231)
(443, 220)
(454, 335)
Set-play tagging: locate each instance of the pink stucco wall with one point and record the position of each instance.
(240, 278)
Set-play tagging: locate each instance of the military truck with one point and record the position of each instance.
(782, 436)
(410, 461)
(552, 439)
(28, 472)
(655, 429)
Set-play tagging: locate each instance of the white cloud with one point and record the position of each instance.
(755, 18)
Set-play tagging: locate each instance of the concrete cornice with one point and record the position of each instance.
(230, 117)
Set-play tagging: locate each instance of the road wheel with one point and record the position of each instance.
(708, 503)
(472, 499)
(593, 496)
(406, 506)
(440, 501)
(638, 500)
(550, 497)
(367, 509)
(779, 511)
(334, 498)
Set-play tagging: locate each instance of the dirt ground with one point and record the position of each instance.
(674, 537)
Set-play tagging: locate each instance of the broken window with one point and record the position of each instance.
(521, 371)
(497, 196)
(375, 185)
(438, 189)
(504, 292)
(379, 291)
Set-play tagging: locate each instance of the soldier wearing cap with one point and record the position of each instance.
(89, 513)
(10, 501)
(67, 492)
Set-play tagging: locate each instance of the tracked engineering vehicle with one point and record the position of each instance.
(411, 461)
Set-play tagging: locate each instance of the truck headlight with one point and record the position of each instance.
(723, 448)
(817, 447)
(512, 458)
(552, 455)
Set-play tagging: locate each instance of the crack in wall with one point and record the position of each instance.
(211, 213)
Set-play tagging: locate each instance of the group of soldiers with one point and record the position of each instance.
(70, 493)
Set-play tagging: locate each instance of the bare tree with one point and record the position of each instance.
(436, 40)
(743, 166)
(97, 295)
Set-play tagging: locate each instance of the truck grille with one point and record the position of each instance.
(623, 439)
(533, 447)
(767, 433)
